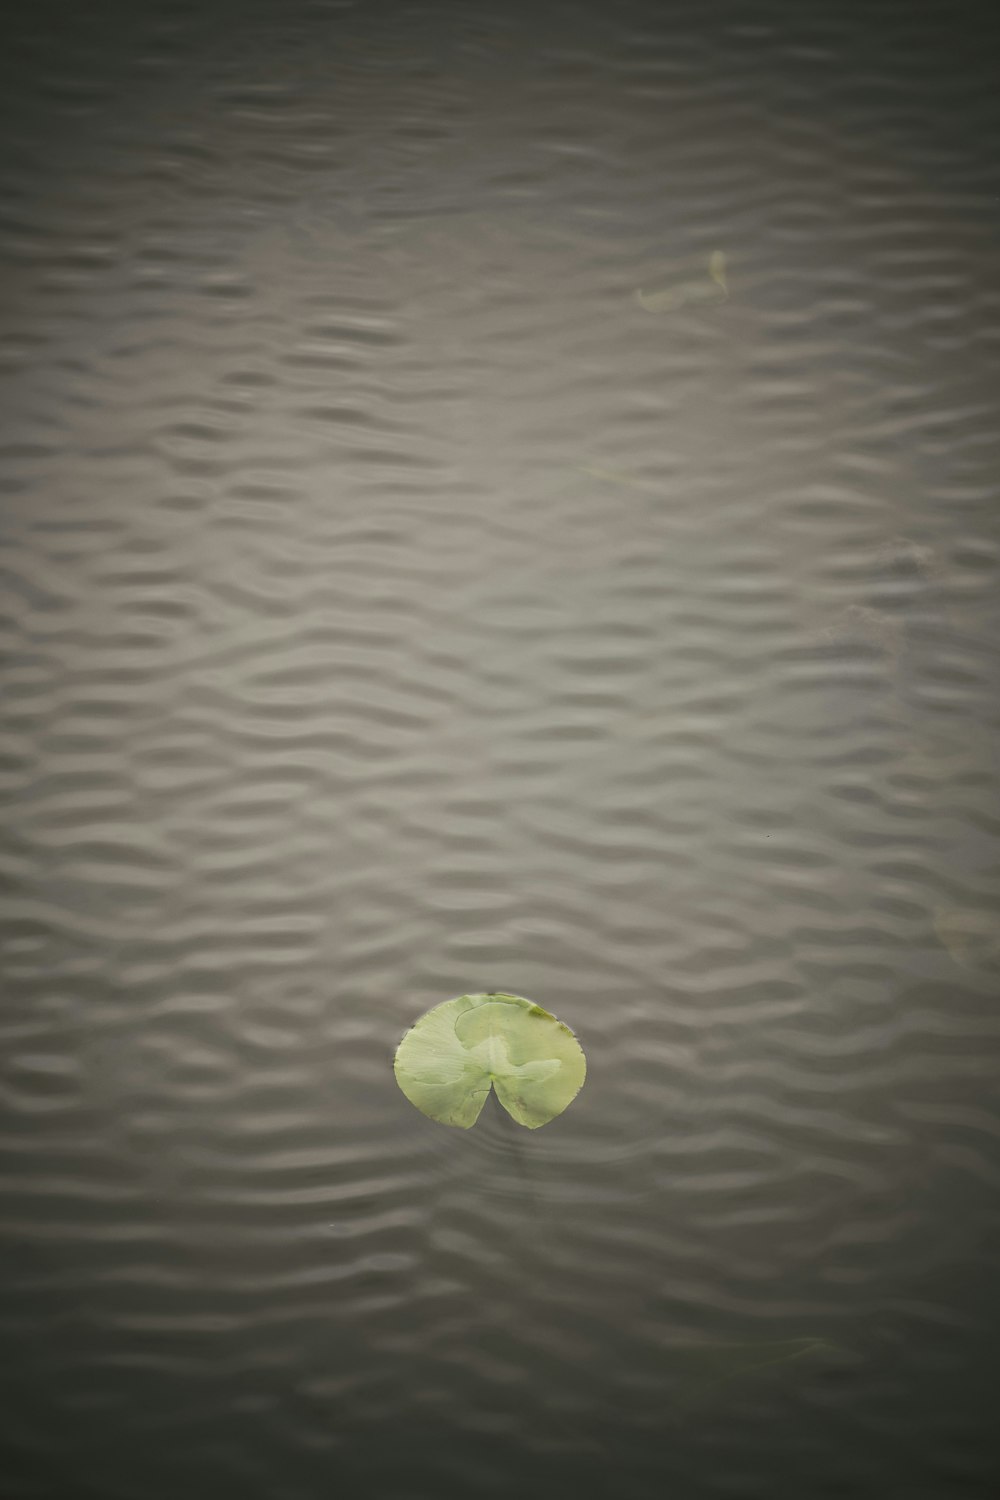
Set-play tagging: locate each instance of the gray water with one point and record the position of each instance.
(394, 607)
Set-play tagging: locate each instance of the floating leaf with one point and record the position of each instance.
(449, 1060)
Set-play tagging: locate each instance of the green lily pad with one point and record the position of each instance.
(449, 1060)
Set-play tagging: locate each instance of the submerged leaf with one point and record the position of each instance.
(615, 476)
(717, 269)
(971, 936)
(716, 1367)
(727, 1361)
(449, 1060)
(690, 293)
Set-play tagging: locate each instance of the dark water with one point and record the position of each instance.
(394, 606)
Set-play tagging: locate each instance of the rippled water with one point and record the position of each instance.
(395, 605)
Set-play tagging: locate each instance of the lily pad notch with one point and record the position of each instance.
(449, 1060)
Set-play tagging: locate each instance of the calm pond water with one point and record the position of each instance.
(500, 501)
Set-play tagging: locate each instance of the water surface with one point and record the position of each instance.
(395, 607)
